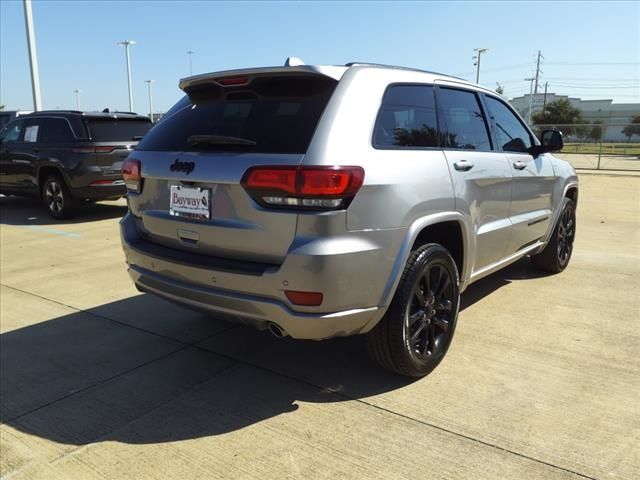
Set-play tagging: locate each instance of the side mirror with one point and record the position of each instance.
(551, 141)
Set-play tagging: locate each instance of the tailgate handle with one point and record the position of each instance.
(188, 238)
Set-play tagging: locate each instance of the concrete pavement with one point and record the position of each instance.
(99, 381)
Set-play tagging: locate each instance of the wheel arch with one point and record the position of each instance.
(45, 170)
(451, 230)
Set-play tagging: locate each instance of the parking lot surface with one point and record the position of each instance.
(99, 381)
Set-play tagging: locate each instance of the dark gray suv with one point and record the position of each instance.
(66, 157)
(320, 201)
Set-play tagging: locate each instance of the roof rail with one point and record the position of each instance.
(355, 64)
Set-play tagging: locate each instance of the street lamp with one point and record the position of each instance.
(190, 52)
(77, 92)
(530, 80)
(476, 57)
(126, 44)
(149, 82)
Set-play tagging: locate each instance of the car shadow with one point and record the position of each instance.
(29, 211)
(83, 377)
(520, 270)
(118, 372)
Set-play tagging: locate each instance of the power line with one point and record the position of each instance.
(593, 63)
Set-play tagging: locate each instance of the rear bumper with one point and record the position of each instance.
(259, 312)
(351, 280)
(99, 192)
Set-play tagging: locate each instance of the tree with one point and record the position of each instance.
(633, 128)
(499, 89)
(596, 131)
(561, 113)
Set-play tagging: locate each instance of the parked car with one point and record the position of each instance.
(320, 201)
(7, 116)
(67, 157)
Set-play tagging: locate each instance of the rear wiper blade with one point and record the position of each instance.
(218, 140)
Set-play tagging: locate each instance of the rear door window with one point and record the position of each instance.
(407, 118)
(32, 130)
(462, 119)
(56, 130)
(117, 129)
(269, 115)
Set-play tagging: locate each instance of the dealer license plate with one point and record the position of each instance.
(192, 202)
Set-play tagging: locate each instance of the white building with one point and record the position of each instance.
(615, 116)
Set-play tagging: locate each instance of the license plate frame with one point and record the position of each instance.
(190, 202)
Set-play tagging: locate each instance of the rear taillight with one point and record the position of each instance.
(314, 188)
(131, 174)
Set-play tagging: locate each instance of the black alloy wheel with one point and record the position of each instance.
(566, 234)
(415, 333)
(556, 254)
(428, 315)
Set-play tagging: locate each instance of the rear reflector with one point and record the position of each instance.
(131, 174)
(306, 187)
(308, 299)
(102, 183)
(103, 149)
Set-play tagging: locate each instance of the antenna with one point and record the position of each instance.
(293, 62)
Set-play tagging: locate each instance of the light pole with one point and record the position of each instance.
(476, 57)
(530, 80)
(126, 44)
(190, 52)
(149, 82)
(77, 92)
(33, 58)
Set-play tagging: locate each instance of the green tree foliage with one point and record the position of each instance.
(499, 89)
(633, 128)
(596, 131)
(561, 112)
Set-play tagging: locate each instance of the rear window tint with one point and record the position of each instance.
(270, 115)
(56, 130)
(407, 118)
(117, 129)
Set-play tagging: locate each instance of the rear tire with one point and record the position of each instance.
(556, 255)
(416, 331)
(56, 197)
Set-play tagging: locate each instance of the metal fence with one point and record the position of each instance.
(601, 146)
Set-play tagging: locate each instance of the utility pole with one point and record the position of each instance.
(476, 57)
(190, 52)
(538, 71)
(544, 103)
(77, 92)
(149, 82)
(33, 58)
(126, 44)
(530, 80)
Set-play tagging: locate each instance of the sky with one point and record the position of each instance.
(591, 49)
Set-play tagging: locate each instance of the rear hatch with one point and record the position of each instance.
(192, 163)
(113, 137)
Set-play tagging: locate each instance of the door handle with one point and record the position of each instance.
(519, 165)
(463, 166)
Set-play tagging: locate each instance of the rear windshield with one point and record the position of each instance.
(117, 129)
(269, 115)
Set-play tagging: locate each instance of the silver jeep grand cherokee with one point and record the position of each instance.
(319, 201)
